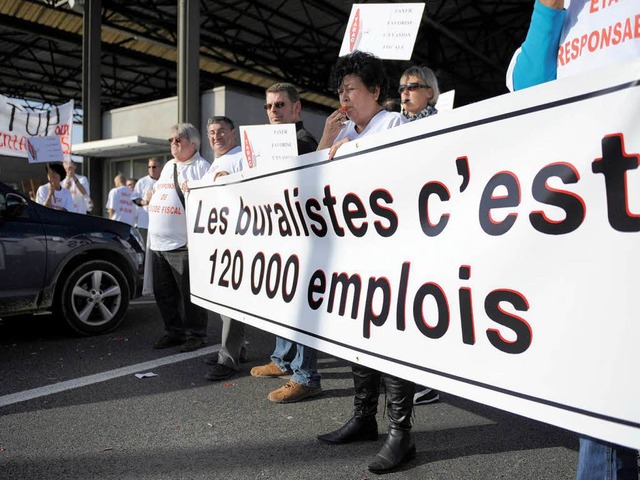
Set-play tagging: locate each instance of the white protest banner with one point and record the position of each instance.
(17, 123)
(490, 252)
(267, 145)
(388, 30)
(44, 149)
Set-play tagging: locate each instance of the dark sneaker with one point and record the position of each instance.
(213, 359)
(219, 372)
(425, 396)
(192, 344)
(168, 341)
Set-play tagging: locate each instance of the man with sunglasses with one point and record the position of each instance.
(142, 194)
(289, 358)
(283, 106)
(185, 323)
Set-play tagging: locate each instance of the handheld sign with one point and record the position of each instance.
(388, 31)
(44, 149)
(265, 145)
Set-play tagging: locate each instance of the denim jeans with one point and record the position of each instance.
(182, 319)
(599, 460)
(301, 359)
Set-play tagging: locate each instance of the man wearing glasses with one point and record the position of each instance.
(223, 140)
(142, 194)
(184, 322)
(283, 106)
(289, 358)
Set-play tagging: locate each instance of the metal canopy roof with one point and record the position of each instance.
(250, 44)
(121, 146)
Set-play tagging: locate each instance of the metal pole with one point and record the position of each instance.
(189, 61)
(92, 111)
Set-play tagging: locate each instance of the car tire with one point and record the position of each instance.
(94, 298)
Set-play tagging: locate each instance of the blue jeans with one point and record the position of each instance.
(599, 460)
(303, 362)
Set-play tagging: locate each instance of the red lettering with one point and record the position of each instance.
(593, 8)
(593, 46)
(628, 32)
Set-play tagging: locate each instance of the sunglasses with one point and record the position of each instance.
(175, 139)
(268, 106)
(152, 166)
(411, 87)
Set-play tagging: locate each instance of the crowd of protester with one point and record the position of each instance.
(156, 204)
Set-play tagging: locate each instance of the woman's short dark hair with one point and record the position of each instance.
(366, 66)
(58, 168)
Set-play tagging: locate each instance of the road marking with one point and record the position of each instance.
(103, 377)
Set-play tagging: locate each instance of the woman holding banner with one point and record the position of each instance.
(361, 84)
(419, 94)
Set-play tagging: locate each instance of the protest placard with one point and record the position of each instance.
(44, 149)
(388, 30)
(489, 252)
(266, 146)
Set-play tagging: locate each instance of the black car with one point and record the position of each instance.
(83, 268)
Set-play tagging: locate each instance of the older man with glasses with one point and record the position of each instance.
(142, 194)
(224, 142)
(184, 322)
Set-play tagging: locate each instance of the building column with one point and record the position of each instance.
(91, 99)
(189, 62)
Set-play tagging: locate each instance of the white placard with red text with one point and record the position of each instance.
(17, 123)
(388, 30)
(490, 251)
(266, 146)
(44, 149)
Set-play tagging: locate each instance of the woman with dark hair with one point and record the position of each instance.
(52, 194)
(361, 83)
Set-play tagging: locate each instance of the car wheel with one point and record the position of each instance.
(94, 298)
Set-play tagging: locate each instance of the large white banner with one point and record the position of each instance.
(490, 252)
(18, 123)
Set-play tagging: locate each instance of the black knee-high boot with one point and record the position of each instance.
(363, 425)
(398, 448)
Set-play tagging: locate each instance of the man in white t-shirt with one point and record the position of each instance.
(119, 204)
(78, 186)
(224, 142)
(142, 194)
(185, 323)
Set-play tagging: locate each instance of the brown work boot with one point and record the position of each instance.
(293, 392)
(269, 370)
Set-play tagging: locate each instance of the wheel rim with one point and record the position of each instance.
(96, 298)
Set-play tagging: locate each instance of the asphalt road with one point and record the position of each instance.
(72, 408)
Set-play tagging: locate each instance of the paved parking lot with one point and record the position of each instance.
(72, 408)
